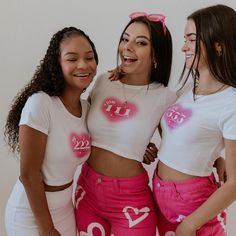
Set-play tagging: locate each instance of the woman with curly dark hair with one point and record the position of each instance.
(47, 127)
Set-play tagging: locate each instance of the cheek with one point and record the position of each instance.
(65, 69)
(93, 67)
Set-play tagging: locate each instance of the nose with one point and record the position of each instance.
(128, 46)
(184, 47)
(81, 64)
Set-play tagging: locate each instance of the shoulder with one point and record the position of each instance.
(170, 95)
(102, 79)
(40, 101)
(39, 97)
(85, 104)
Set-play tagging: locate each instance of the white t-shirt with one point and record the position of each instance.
(126, 129)
(68, 141)
(193, 131)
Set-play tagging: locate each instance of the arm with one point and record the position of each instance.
(151, 151)
(218, 201)
(32, 149)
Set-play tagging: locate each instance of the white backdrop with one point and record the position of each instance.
(26, 27)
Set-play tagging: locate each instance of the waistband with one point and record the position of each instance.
(50, 188)
(91, 175)
(185, 185)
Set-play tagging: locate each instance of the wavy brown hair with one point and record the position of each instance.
(48, 78)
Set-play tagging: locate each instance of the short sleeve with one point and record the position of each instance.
(171, 97)
(228, 122)
(99, 82)
(36, 112)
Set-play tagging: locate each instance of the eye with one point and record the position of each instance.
(72, 59)
(124, 39)
(142, 43)
(90, 58)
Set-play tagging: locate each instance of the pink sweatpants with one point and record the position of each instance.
(114, 206)
(178, 199)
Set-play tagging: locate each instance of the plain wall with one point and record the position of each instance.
(26, 27)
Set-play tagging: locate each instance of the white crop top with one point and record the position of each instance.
(126, 128)
(193, 131)
(68, 141)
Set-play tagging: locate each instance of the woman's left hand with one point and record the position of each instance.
(185, 229)
(150, 154)
(221, 170)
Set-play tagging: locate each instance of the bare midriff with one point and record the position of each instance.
(167, 173)
(110, 164)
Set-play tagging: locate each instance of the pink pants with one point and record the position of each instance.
(114, 206)
(178, 199)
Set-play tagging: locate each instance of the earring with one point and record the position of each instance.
(219, 52)
(218, 49)
(155, 64)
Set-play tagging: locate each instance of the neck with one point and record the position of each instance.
(72, 102)
(208, 85)
(135, 80)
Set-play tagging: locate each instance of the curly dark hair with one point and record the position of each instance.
(48, 78)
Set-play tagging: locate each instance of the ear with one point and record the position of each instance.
(218, 49)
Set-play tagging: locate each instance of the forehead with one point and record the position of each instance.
(190, 27)
(138, 29)
(75, 42)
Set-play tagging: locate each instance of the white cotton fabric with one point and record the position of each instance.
(110, 126)
(194, 131)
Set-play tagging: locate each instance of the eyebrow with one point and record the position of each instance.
(190, 34)
(140, 36)
(74, 53)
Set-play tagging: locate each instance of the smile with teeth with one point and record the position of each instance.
(129, 59)
(82, 75)
(188, 56)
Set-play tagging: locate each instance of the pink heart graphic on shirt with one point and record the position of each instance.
(90, 229)
(176, 115)
(131, 215)
(80, 144)
(116, 111)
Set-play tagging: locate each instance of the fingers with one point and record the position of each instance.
(221, 170)
(146, 160)
(116, 74)
(150, 154)
(112, 74)
(222, 175)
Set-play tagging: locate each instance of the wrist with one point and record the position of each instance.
(189, 224)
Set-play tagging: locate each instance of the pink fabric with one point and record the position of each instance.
(178, 199)
(114, 206)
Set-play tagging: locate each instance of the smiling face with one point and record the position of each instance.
(135, 50)
(77, 62)
(189, 48)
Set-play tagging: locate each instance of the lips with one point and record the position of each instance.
(82, 76)
(188, 56)
(129, 59)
